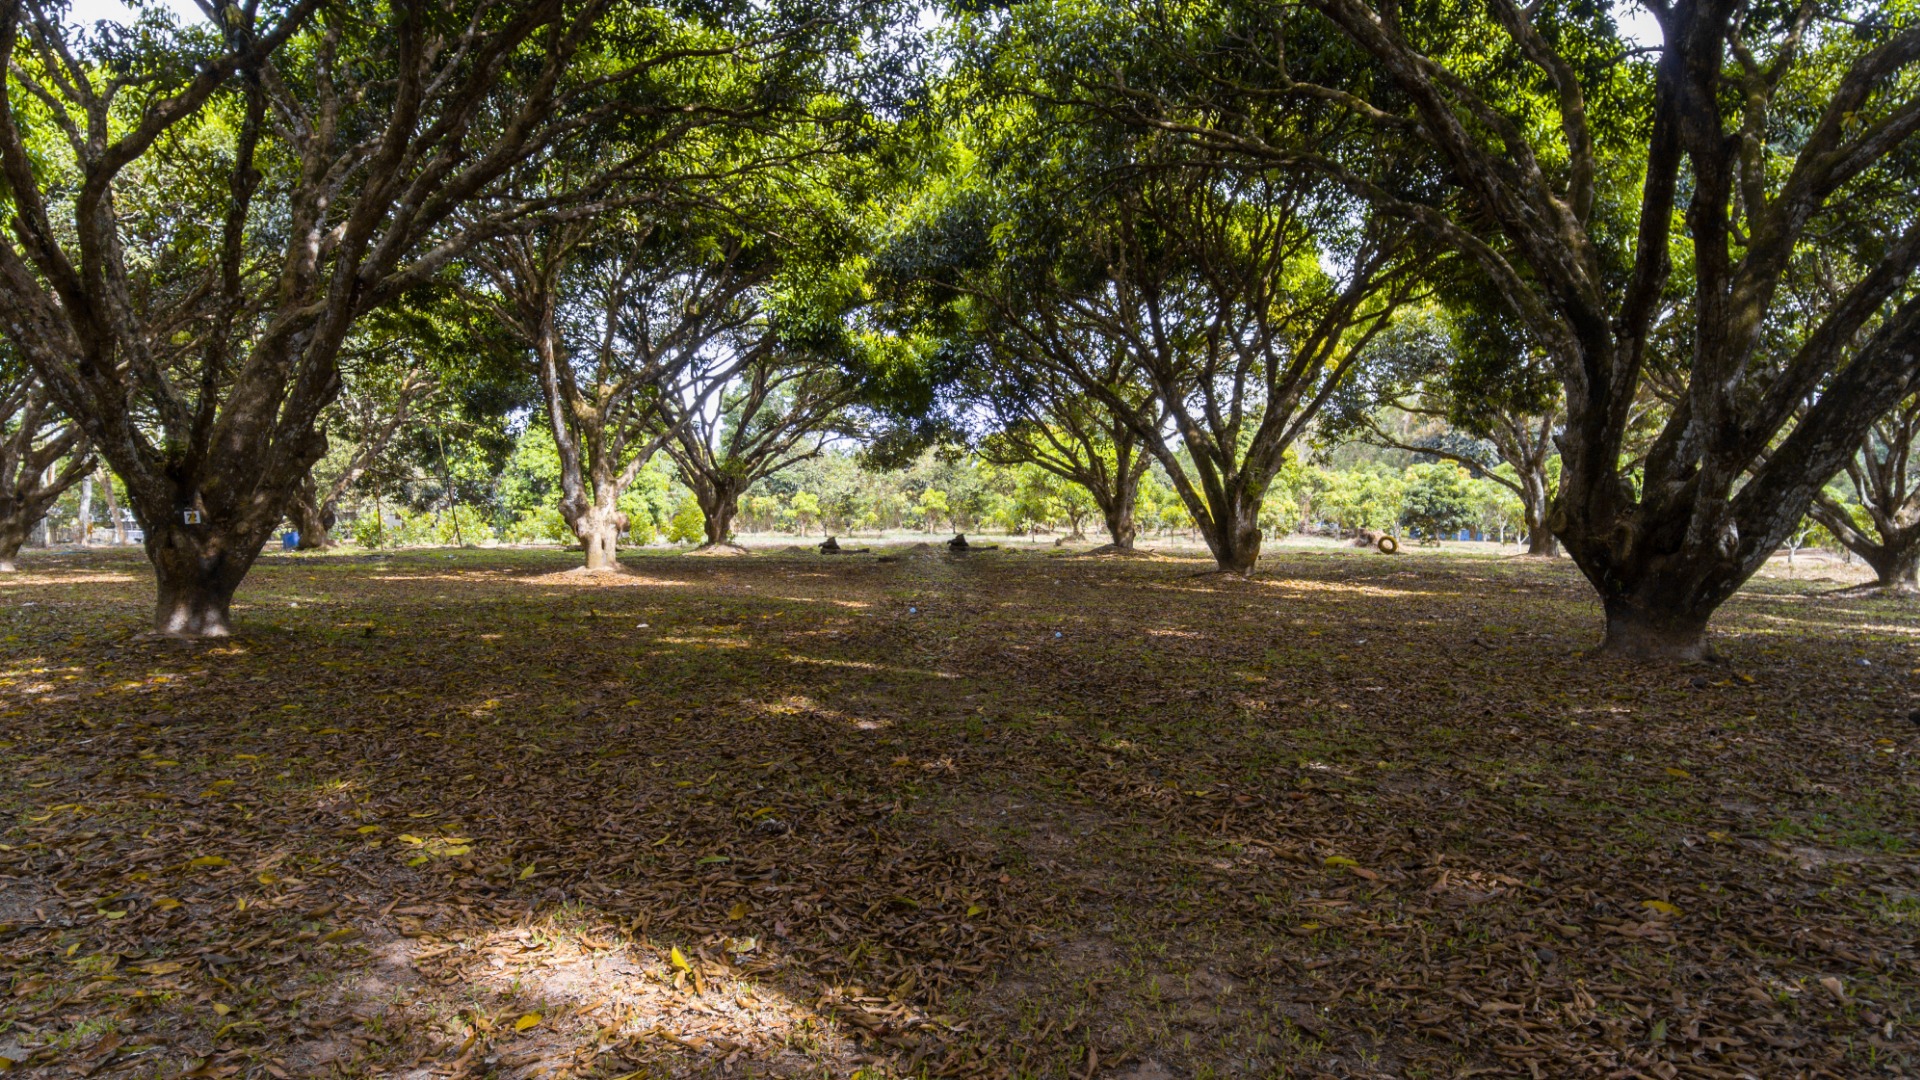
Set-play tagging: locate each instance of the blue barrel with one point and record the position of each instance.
(289, 541)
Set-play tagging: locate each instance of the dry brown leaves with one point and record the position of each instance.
(1007, 815)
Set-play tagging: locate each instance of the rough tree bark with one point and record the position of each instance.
(113, 505)
(41, 456)
(373, 420)
(381, 158)
(1053, 425)
(772, 415)
(311, 518)
(1882, 477)
(615, 401)
(1751, 438)
(719, 502)
(1116, 508)
(198, 569)
(1228, 357)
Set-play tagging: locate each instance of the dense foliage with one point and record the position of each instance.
(611, 273)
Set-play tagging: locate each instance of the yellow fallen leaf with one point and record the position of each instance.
(158, 967)
(527, 873)
(527, 1021)
(1660, 906)
(1338, 860)
(678, 959)
(330, 731)
(166, 903)
(409, 838)
(221, 1010)
(975, 909)
(365, 829)
(1717, 835)
(111, 915)
(1679, 774)
(342, 934)
(207, 861)
(268, 879)
(738, 911)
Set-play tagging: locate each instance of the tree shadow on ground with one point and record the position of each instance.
(1018, 816)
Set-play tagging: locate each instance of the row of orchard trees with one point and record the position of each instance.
(213, 225)
(1663, 290)
(1192, 229)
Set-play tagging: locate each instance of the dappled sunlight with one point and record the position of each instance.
(571, 987)
(623, 579)
(706, 642)
(439, 824)
(866, 665)
(812, 601)
(33, 578)
(1340, 590)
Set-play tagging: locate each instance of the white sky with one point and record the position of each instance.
(92, 11)
(1636, 24)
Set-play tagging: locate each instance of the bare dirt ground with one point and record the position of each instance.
(462, 813)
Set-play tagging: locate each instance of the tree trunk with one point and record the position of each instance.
(718, 504)
(312, 521)
(86, 513)
(1536, 507)
(12, 535)
(1119, 518)
(113, 506)
(197, 568)
(1640, 631)
(1234, 536)
(599, 530)
(1896, 564)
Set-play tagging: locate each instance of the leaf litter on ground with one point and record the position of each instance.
(1356, 816)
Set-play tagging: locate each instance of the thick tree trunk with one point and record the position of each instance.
(718, 504)
(1234, 537)
(1896, 565)
(12, 535)
(599, 530)
(197, 568)
(1641, 631)
(1535, 506)
(1119, 518)
(312, 521)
